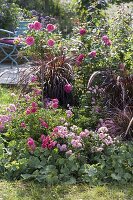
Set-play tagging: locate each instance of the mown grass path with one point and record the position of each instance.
(32, 191)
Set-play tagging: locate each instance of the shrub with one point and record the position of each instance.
(9, 17)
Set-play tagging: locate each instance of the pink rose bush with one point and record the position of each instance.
(37, 25)
(52, 135)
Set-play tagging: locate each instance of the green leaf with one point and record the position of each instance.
(115, 177)
(26, 176)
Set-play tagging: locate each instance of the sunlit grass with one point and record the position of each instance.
(32, 191)
(6, 96)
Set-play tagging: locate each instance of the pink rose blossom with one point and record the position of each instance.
(50, 27)
(55, 105)
(31, 26)
(92, 54)
(47, 142)
(30, 40)
(105, 38)
(51, 43)
(108, 43)
(37, 25)
(68, 88)
(55, 100)
(42, 137)
(82, 31)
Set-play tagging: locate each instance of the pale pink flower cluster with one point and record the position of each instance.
(84, 133)
(69, 152)
(27, 97)
(74, 128)
(60, 131)
(69, 113)
(106, 139)
(11, 108)
(76, 143)
(4, 119)
(62, 147)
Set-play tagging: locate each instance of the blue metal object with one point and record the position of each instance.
(12, 52)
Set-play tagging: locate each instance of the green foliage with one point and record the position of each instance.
(117, 163)
(9, 17)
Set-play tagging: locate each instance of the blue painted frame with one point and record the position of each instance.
(12, 56)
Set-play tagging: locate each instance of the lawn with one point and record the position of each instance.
(31, 191)
(6, 96)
